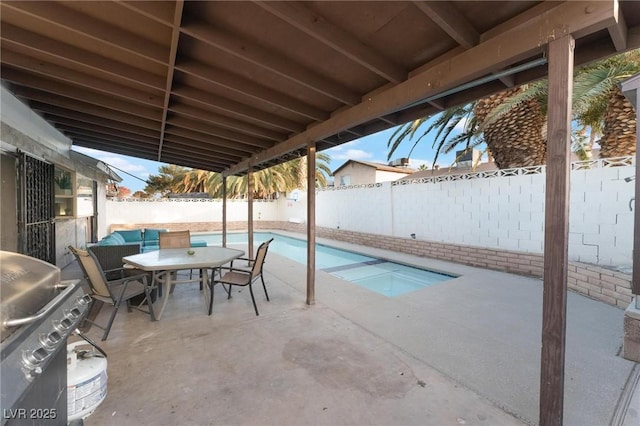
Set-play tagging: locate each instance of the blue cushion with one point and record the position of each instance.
(152, 234)
(198, 243)
(111, 240)
(147, 248)
(132, 236)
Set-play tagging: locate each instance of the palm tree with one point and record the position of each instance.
(444, 124)
(513, 123)
(167, 181)
(266, 183)
(516, 136)
(299, 171)
(607, 110)
(194, 181)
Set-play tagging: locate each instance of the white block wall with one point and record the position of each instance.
(362, 210)
(499, 212)
(179, 211)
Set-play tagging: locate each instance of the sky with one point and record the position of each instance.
(373, 148)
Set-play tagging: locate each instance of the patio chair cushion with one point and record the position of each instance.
(198, 243)
(112, 240)
(130, 236)
(152, 236)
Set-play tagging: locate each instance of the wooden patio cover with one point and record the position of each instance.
(237, 86)
(216, 85)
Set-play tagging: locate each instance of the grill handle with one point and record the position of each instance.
(69, 287)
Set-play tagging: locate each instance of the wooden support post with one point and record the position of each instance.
(311, 223)
(635, 281)
(224, 211)
(556, 233)
(250, 211)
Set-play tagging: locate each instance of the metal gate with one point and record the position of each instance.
(36, 226)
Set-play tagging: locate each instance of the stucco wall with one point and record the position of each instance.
(384, 176)
(25, 130)
(361, 174)
(358, 173)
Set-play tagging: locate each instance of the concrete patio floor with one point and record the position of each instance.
(466, 351)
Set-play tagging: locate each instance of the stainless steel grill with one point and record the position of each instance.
(38, 313)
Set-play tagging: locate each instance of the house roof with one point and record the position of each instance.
(223, 86)
(95, 164)
(377, 166)
(481, 167)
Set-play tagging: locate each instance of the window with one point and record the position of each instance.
(345, 180)
(64, 194)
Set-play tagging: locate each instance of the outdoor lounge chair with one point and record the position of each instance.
(112, 291)
(243, 277)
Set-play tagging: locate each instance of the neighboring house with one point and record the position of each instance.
(355, 172)
(52, 197)
(453, 170)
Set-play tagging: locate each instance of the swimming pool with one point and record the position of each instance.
(379, 275)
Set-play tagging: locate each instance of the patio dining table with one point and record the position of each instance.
(164, 262)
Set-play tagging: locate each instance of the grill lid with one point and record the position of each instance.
(26, 285)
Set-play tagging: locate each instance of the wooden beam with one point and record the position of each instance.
(212, 131)
(237, 109)
(133, 151)
(86, 26)
(67, 107)
(270, 61)
(445, 15)
(91, 129)
(236, 148)
(171, 61)
(180, 156)
(618, 32)
(224, 211)
(251, 89)
(301, 17)
(524, 41)
(208, 116)
(73, 77)
(219, 152)
(159, 11)
(109, 138)
(508, 80)
(635, 282)
(73, 118)
(438, 104)
(79, 93)
(250, 185)
(78, 58)
(556, 233)
(311, 223)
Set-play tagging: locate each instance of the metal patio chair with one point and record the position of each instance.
(179, 239)
(243, 276)
(113, 291)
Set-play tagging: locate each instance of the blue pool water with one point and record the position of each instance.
(384, 277)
